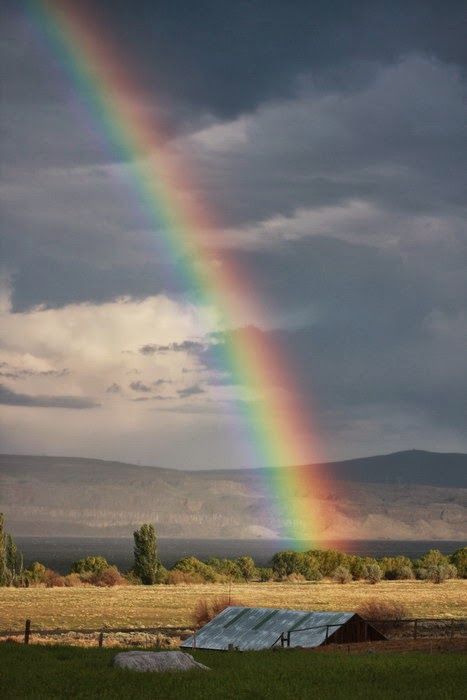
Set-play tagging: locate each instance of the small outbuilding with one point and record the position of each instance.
(264, 628)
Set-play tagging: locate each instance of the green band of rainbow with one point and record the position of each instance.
(279, 426)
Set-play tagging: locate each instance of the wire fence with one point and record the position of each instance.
(413, 628)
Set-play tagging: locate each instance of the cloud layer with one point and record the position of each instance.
(329, 144)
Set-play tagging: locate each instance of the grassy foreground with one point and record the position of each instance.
(41, 673)
(172, 606)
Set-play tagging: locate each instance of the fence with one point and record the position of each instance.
(151, 635)
(413, 628)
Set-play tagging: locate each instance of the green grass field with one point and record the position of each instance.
(42, 673)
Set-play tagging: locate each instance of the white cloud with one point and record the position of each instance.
(100, 347)
(98, 344)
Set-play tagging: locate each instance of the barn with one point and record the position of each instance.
(264, 628)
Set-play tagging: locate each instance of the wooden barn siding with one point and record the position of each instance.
(355, 630)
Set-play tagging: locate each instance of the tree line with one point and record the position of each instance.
(287, 565)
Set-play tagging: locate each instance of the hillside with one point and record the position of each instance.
(407, 495)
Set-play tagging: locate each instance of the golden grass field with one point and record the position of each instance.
(172, 606)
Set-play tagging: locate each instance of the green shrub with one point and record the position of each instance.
(342, 575)
(373, 573)
(35, 574)
(87, 565)
(396, 568)
(195, 570)
(437, 573)
(459, 559)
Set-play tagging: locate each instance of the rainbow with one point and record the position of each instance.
(279, 427)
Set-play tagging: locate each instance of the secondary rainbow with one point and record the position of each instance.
(280, 428)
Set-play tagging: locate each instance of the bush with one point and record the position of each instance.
(265, 574)
(358, 567)
(327, 560)
(288, 562)
(89, 564)
(459, 560)
(110, 576)
(177, 577)
(195, 570)
(342, 575)
(405, 573)
(437, 573)
(206, 610)
(35, 575)
(373, 573)
(396, 568)
(377, 609)
(53, 580)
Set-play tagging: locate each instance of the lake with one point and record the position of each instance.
(58, 553)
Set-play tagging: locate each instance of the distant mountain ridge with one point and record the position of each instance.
(404, 495)
(447, 469)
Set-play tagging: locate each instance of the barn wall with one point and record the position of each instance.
(355, 630)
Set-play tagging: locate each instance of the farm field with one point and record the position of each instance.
(172, 606)
(59, 672)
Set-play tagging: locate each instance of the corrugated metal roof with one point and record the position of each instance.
(260, 628)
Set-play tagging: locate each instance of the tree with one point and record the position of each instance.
(3, 566)
(459, 559)
(146, 564)
(11, 561)
(94, 565)
(247, 567)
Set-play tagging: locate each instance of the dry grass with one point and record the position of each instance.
(206, 609)
(172, 606)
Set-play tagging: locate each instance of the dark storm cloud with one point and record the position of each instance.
(374, 328)
(11, 398)
(226, 58)
(341, 187)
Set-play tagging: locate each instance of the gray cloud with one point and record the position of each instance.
(114, 389)
(139, 386)
(11, 398)
(11, 372)
(191, 346)
(193, 390)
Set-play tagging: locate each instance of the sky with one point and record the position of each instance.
(328, 141)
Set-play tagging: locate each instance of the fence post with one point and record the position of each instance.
(27, 631)
(288, 638)
(415, 629)
(452, 629)
(101, 639)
